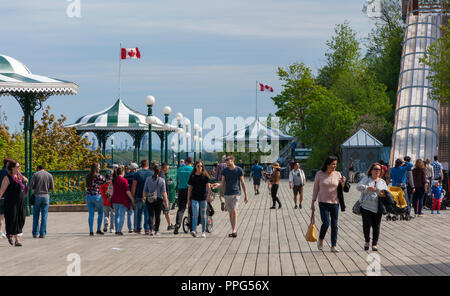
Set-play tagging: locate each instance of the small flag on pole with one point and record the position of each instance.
(130, 53)
(263, 87)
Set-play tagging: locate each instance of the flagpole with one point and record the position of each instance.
(256, 92)
(120, 65)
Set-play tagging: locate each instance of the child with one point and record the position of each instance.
(437, 193)
(108, 212)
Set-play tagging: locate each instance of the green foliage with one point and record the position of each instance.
(437, 58)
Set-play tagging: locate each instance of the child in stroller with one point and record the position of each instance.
(187, 221)
(395, 204)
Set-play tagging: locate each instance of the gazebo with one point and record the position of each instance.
(253, 137)
(30, 91)
(121, 118)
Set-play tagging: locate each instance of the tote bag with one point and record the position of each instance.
(311, 235)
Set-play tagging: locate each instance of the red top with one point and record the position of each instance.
(103, 190)
(120, 188)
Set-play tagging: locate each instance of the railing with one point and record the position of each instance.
(70, 186)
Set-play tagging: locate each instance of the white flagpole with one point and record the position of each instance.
(256, 100)
(120, 65)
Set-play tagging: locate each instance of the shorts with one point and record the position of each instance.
(167, 210)
(256, 181)
(297, 189)
(2, 206)
(231, 202)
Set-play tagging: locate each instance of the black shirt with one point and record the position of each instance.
(198, 183)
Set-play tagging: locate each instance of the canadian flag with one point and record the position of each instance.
(263, 87)
(130, 53)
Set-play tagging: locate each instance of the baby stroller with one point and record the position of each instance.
(399, 210)
(187, 221)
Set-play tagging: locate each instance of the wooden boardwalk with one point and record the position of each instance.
(269, 242)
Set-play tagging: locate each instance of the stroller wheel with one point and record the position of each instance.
(186, 224)
(394, 218)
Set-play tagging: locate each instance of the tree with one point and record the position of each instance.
(437, 58)
(384, 47)
(343, 55)
(328, 123)
(300, 89)
(59, 148)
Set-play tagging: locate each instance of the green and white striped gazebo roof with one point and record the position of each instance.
(16, 78)
(118, 117)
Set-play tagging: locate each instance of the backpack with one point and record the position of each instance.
(153, 196)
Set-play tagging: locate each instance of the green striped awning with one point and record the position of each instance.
(15, 78)
(117, 117)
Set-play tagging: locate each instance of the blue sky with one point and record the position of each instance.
(195, 53)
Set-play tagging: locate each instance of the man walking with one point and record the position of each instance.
(137, 191)
(256, 175)
(42, 184)
(232, 179)
(296, 182)
(183, 175)
(218, 178)
(166, 211)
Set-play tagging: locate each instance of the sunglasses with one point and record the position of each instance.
(376, 169)
(199, 166)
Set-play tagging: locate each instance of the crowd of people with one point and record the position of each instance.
(142, 195)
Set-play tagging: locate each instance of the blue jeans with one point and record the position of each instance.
(195, 205)
(41, 205)
(130, 218)
(142, 208)
(418, 197)
(119, 216)
(327, 210)
(95, 202)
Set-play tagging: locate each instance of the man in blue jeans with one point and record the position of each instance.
(42, 185)
(137, 191)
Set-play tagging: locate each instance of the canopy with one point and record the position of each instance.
(362, 138)
(16, 79)
(257, 131)
(118, 117)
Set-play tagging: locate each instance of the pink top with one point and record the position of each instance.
(120, 188)
(325, 187)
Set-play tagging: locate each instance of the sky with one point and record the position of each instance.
(195, 53)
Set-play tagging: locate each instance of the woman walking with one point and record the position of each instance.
(371, 188)
(420, 184)
(155, 197)
(198, 194)
(14, 188)
(325, 192)
(121, 198)
(274, 183)
(94, 198)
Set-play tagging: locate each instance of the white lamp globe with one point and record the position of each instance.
(188, 135)
(112, 145)
(112, 138)
(195, 138)
(179, 130)
(187, 122)
(179, 116)
(150, 100)
(200, 140)
(196, 127)
(167, 110)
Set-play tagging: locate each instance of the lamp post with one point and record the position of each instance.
(200, 141)
(179, 117)
(166, 111)
(173, 155)
(134, 153)
(150, 101)
(187, 123)
(112, 150)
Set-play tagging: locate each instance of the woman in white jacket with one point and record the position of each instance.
(371, 188)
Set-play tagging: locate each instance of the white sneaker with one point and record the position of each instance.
(193, 233)
(111, 230)
(20, 234)
(319, 244)
(334, 250)
(156, 233)
(203, 235)
(2, 235)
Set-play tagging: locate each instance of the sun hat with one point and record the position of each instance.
(134, 166)
(275, 165)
